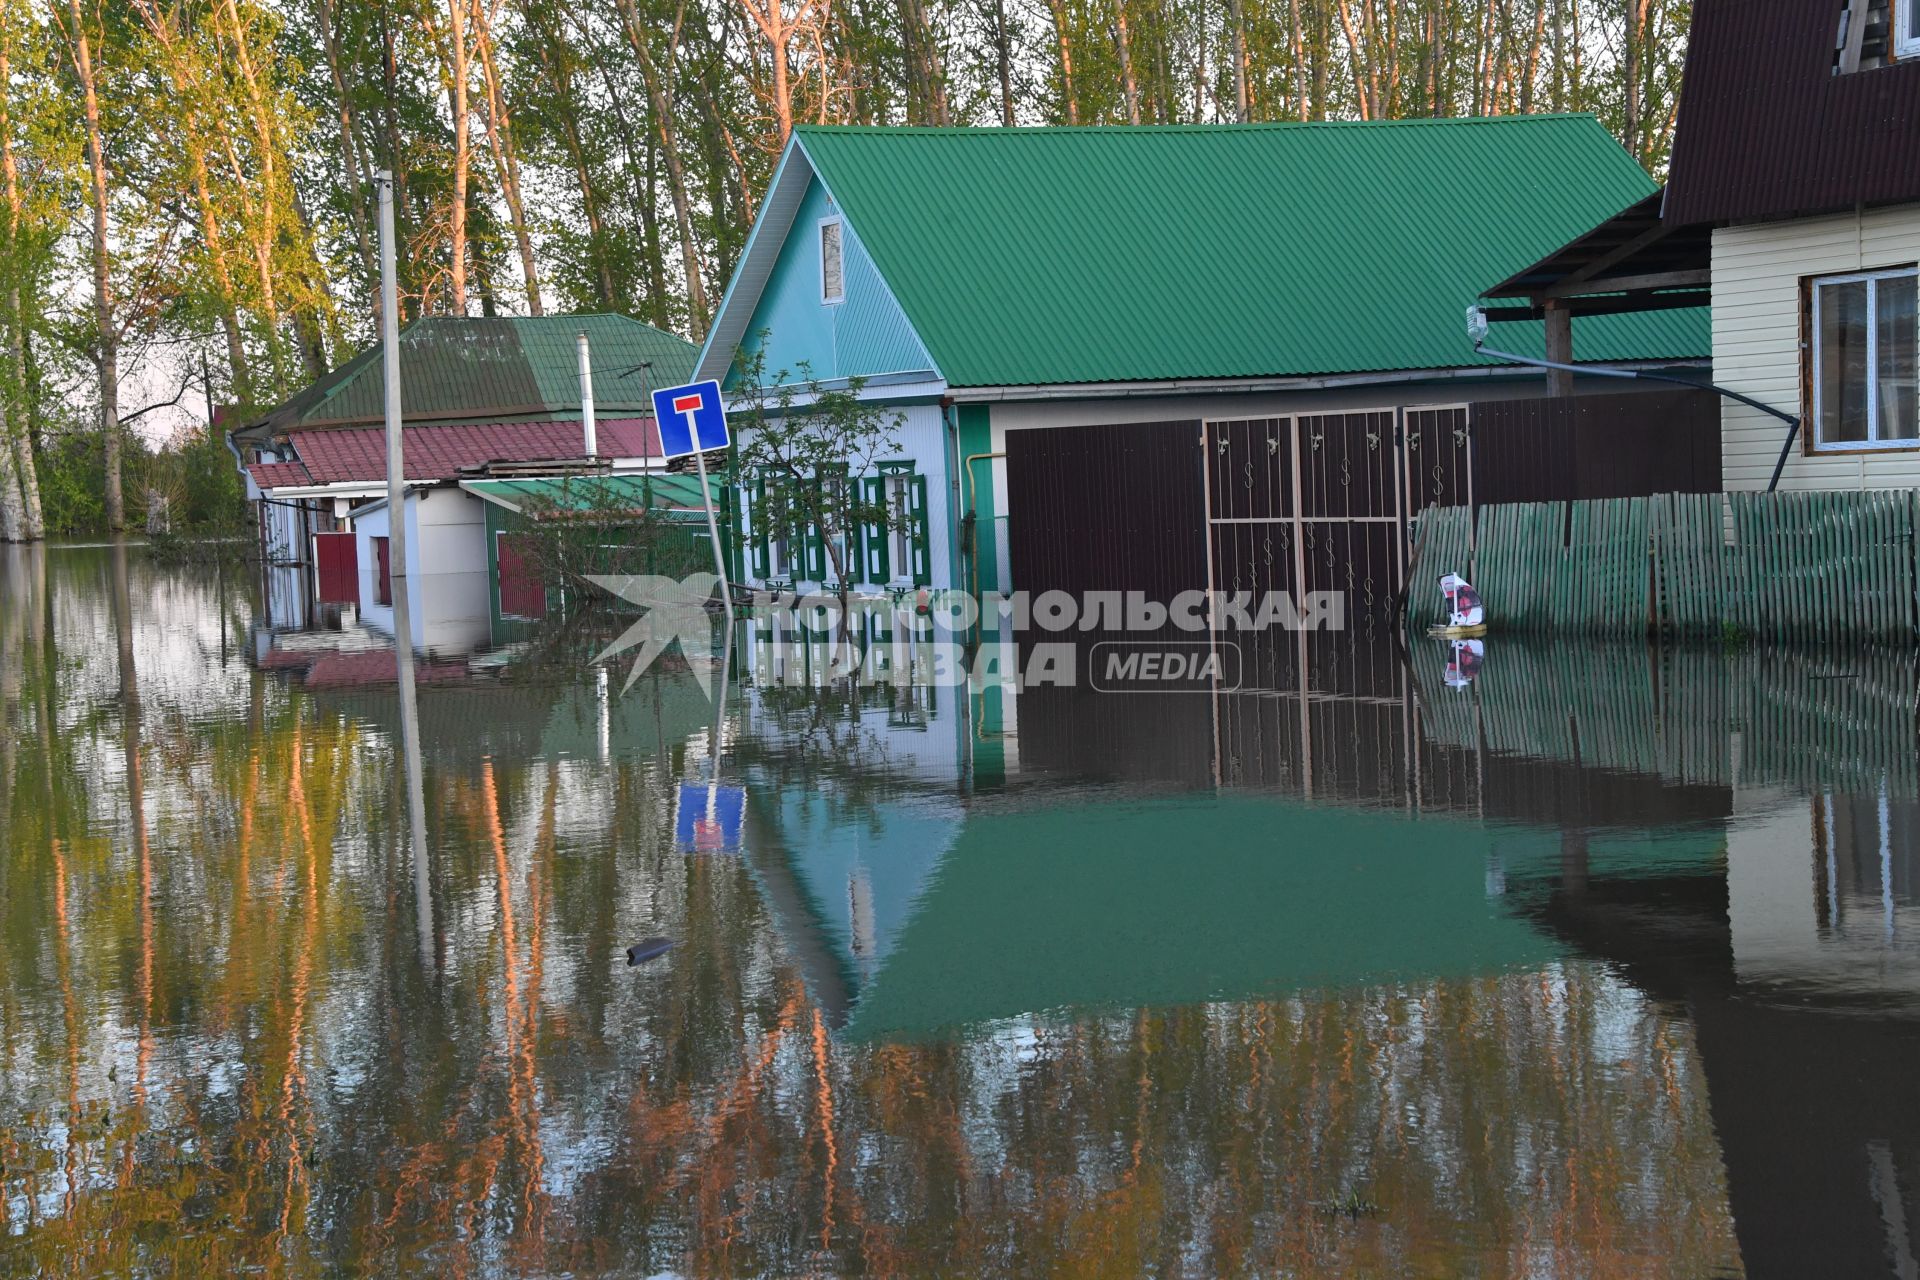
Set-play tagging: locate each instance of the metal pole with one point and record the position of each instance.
(713, 528)
(397, 568)
(390, 366)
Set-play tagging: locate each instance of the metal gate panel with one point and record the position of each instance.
(1313, 502)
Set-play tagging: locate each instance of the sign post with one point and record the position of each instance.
(692, 419)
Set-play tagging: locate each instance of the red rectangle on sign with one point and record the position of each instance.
(682, 404)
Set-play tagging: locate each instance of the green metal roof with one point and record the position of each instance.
(673, 492)
(486, 369)
(1032, 256)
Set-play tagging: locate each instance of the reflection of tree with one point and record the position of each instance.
(317, 1099)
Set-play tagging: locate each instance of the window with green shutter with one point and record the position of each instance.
(757, 528)
(905, 493)
(917, 531)
(873, 533)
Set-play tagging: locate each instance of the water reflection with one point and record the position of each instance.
(1603, 964)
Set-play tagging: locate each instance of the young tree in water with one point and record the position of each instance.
(806, 448)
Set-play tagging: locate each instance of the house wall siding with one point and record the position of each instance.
(865, 334)
(448, 586)
(1757, 270)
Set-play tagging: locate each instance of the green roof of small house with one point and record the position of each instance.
(1047, 256)
(488, 369)
(674, 494)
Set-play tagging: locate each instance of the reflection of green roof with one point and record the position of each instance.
(673, 494)
(1194, 899)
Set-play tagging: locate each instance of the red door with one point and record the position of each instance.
(522, 594)
(338, 568)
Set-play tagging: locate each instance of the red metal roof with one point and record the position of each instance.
(359, 454)
(278, 475)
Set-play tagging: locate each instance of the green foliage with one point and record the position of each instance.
(813, 445)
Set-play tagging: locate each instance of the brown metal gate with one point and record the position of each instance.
(1320, 502)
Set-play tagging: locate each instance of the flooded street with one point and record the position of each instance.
(1606, 964)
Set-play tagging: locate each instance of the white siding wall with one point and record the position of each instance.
(448, 597)
(1757, 335)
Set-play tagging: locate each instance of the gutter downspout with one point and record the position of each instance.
(1477, 330)
(972, 517)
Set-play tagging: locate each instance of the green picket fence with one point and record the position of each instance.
(1804, 567)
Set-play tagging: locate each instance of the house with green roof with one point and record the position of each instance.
(990, 283)
(479, 395)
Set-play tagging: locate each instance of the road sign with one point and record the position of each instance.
(709, 818)
(692, 419)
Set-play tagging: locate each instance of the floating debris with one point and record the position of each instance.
(648, 949)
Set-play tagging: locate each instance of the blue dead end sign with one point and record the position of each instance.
(692, 419)
(709, 818)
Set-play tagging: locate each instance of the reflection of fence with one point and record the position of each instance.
(1840, 718)
(1797, 567)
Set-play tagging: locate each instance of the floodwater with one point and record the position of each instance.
(1607, 964)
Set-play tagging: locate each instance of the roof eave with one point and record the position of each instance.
(1302, 382)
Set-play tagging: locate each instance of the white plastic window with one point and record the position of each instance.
(833, 275)
(1865, 351)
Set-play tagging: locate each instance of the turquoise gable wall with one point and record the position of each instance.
(864, 335)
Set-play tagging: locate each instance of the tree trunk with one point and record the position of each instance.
(462, 152)
(506, 161)
(1003, 61)
(1128, 87)
(107, 352)
(1241, 106)
(662, 104)
(266, 231)
(349, 150)
(1066, 61)
(16, 422)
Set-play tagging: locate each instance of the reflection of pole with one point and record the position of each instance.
(720, 711)
(411, 770)
(390, 367)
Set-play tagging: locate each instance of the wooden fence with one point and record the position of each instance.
(1797, 567)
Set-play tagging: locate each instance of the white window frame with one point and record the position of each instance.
(1874, 441)
(896, 488)
(1905, 19)
(820, 245)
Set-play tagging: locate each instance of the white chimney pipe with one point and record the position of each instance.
(586, 396)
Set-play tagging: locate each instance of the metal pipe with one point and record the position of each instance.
(586, 395)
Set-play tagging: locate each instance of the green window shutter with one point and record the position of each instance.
(815, 543)
(917, 531)
(873, 491)
(761, 546)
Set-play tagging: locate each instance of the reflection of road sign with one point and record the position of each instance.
(709, 818)
(692, 419)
